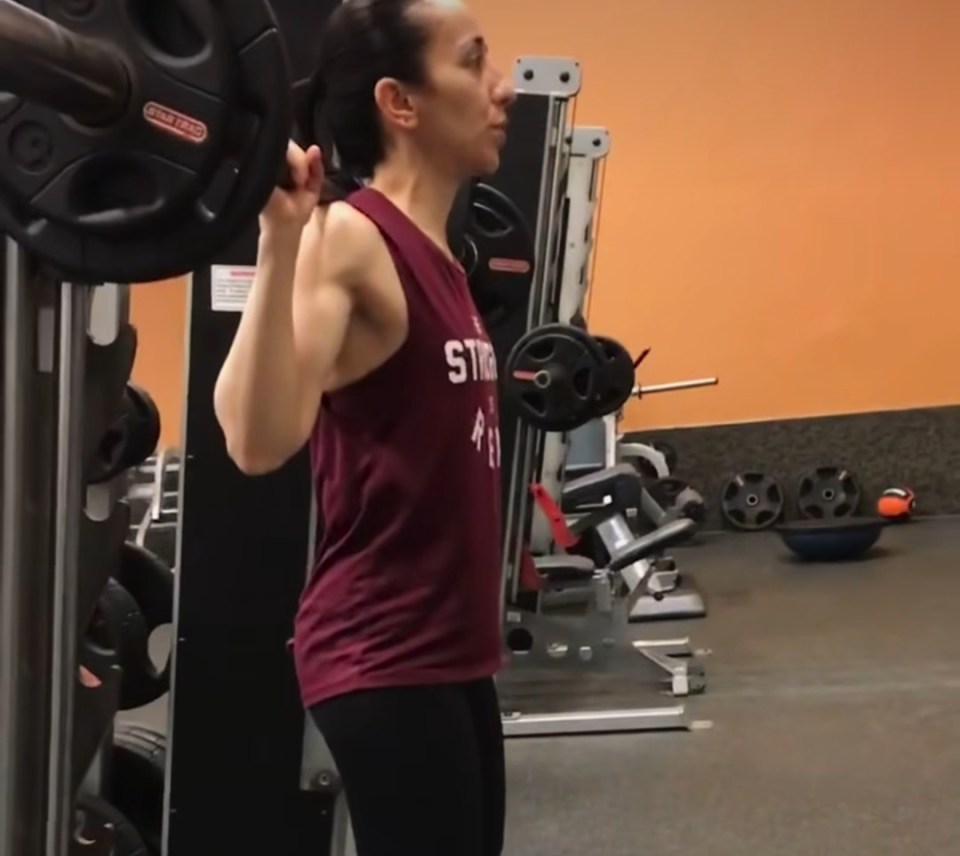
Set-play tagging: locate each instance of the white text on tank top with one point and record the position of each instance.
(472, 360)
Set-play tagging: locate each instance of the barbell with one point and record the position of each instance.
(559, 377)
(138, 139)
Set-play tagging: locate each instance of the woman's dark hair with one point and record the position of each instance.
(362, 42)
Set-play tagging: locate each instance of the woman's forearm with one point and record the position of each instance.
(257, 396)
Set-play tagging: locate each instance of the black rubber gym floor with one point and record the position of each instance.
(834, 697)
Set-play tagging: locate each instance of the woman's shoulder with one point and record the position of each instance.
(348, 239)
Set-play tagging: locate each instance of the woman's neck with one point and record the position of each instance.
(425, 195)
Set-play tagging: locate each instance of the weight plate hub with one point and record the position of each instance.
(190, 162)
(496, 252)
(752, 501)
(550, 375)
(616, 378)
(828, 493)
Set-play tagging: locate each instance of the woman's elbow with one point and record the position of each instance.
(248, 455)
(250, 446)
(251, 455)
(252, 462)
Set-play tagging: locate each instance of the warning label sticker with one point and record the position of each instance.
(229, 287)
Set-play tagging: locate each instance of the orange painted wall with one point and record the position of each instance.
(159, 312)
(779, 205)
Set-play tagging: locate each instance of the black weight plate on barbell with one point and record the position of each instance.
(137, 776)
(828, 493)
(616, 378)
(549, 376)
(752, 501)
(160, 191)
(150, 581)
(122, 177)
(100, 829)
(497, 253)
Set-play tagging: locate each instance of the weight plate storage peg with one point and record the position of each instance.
(138, 139)
(496, 251)
(550, 375)
(752, 501)
(828, 493)
(616, 378)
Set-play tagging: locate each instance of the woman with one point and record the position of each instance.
(360, 337)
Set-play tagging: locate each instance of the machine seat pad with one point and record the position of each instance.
(595, 487)
(563, 569)
(653, 542)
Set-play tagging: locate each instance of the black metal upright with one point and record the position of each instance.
(521, 177)
(236, 727)
(236, 722)
(548, 85)
(25, 574)
(38, 561)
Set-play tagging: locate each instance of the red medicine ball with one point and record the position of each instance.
(897, 503)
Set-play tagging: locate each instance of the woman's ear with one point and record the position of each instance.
(395, 103)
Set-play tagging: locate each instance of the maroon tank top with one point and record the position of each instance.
(405, 588)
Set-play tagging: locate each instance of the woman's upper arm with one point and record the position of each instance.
(330, 265)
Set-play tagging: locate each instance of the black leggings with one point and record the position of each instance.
(422, 768)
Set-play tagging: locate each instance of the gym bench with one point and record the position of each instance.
(603, 499)
(600, 638)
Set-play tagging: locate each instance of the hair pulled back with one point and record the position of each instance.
(362, 42)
